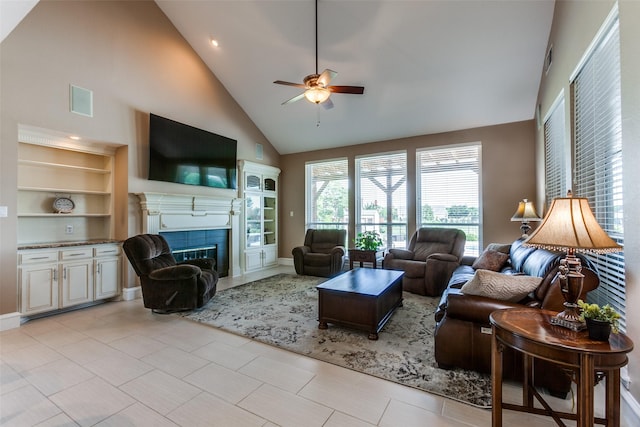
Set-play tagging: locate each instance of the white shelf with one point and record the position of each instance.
(63, 190)
(63, 166)
(60, 215)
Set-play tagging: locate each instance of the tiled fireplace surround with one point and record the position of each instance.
(189, 222)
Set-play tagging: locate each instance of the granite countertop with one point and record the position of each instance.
(66, 244)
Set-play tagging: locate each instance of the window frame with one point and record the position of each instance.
(597, 174)
(384, 227)
(471, 247)
(310, 213)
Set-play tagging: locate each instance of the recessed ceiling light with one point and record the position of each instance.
(214, 42)
(75, 138)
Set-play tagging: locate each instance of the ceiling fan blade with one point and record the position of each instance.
(280, 82)
(326, 76)
(294, 99)
(356, 90)
(328, 104)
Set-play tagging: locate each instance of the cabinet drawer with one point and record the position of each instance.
(37, 257)
(77, 253)
(106, 250)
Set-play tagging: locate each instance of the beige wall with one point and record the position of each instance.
(575, 25)
(135, 62)
(508, 171)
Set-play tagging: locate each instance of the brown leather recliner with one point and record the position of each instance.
(168, 286)
(322, 254)
(463, 331)
(429, 261)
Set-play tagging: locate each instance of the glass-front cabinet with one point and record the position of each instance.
(259, 185)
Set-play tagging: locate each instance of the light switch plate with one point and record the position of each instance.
(4, 211)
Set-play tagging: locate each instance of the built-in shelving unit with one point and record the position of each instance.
(71, 258)
(259, 184)
(46, 172)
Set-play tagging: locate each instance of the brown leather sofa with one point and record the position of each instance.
(430, 259)
(322, 254)
(463, 332)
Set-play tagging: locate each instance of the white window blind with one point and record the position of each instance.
(449, 190)
(598, 156)
(381, 197)
(555, 154)
(327, 194)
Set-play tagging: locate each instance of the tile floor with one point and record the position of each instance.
(117, 364)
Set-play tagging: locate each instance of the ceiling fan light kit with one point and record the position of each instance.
(317, 89)
(317, 94)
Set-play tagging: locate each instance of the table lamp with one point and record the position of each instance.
(526, 212)
(571, 226)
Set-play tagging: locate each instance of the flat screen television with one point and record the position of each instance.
(187, 155)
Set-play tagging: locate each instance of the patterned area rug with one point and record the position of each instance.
(282, 310)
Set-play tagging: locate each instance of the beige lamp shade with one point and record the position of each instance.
(526, 212)
(570, 225)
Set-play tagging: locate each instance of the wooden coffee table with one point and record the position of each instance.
(362, 299)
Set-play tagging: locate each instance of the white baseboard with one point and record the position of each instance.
(285, 261)
(129, 294)
(632, 415)
(9, 321)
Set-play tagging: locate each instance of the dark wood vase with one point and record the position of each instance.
(599, 330)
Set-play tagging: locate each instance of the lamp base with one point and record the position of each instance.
(571, 286)
(525, 228)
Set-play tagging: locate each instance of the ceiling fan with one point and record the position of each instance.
(317, 88)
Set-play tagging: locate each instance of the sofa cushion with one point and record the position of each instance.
(499, 286)
(314, 259)
(519, 254)
(500, 247)
(491, 260)
(541, 262)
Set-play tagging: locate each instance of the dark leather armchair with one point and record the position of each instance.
(429, 261)
(166, 285)
(322, 253)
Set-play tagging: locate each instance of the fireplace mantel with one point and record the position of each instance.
(183, 212)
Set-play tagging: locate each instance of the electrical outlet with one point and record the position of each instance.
(69, 229)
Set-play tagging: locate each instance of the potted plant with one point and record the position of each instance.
(368, 241)
(601, 321)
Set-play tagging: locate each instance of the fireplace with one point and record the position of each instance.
(192, 244)
(195, 224)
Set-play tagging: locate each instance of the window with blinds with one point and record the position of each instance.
(327, 195)
(556, 158)
(449, 190)
(381, 197)
(597, 131)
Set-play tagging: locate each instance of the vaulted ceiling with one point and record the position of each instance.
(428, 66)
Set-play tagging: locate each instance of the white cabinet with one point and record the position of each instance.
(38, 281)
(259, 184)
(52, 279)
(76, 269)
(108, 276)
